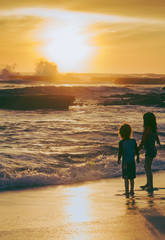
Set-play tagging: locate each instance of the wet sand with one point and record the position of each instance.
(90, 211)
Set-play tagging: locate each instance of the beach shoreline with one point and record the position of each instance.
(90, 210)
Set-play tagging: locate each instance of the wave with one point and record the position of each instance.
(77, 91)
(102, 167)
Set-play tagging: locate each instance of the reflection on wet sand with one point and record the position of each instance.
(78, 208)
(92, 210)
(148, 206)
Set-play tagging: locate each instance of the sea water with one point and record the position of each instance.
(48, 147)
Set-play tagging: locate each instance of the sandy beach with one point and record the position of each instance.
(93, 210)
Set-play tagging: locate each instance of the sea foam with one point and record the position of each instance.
(103, 167)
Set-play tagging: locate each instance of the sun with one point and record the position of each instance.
(68, 48)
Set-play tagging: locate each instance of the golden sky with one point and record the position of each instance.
(103, 36)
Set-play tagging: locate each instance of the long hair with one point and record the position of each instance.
(125, 131)
(150, 121)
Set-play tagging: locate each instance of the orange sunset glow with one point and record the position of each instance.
(103, 36)
(82, 119)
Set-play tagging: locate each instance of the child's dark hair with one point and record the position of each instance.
(150, 121)
(125, 131)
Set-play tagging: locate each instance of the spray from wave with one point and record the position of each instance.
(46, 68)
(43, 69)
(7, 71)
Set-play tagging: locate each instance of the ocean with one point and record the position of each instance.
(53, 147)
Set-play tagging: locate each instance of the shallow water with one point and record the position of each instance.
(46, 147)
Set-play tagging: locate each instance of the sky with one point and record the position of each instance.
(101, 36)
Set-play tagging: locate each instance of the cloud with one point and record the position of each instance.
(16, 30)
(18, 24)
(136, 46)
(145, 8)
(18, 41)
(130, 34)
(123, 28)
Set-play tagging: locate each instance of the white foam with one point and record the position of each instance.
(104, 167)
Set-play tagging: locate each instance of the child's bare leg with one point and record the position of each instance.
(132, 186)
(148, 163)
(126, 188)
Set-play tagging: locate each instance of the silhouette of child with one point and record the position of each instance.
(127, 150)
(148, 141)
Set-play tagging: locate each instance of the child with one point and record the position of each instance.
(148, 141)
(127, 150)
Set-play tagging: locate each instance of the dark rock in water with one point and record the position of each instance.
(34, 102)
(151, 99)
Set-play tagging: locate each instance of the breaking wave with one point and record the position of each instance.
(101, 167)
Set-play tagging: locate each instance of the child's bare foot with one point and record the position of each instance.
(132, 193)
(145, 186)
(127, 195)
(149, 189)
